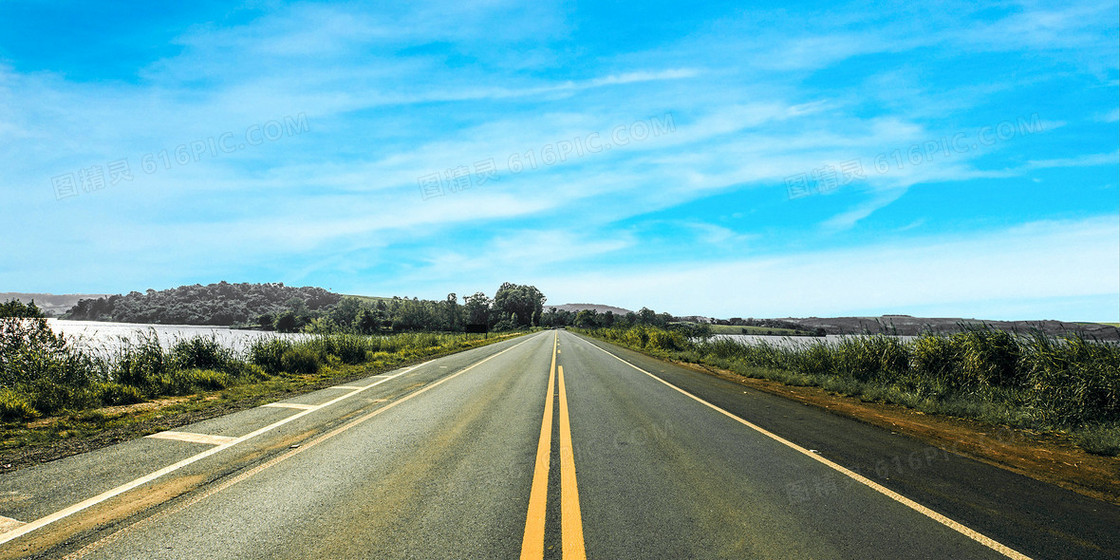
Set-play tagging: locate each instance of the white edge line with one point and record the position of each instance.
(191, 437)
(90, 502)
(298, 406)
(954, 525)
(8, 524)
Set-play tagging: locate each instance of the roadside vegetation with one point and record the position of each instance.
(1067, 384)
(51, 389)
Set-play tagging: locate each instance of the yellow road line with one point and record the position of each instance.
(532, 544)
(954, 525)
(571, 525)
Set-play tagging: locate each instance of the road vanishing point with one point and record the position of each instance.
(549, 445)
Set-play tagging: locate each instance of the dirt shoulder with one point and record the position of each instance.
(1047, 457)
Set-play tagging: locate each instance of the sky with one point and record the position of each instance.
(783, 159)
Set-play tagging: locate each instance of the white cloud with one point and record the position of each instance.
(1032, 262)
(1079, 161)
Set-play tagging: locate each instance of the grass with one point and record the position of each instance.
(51, 391)
(1064, 384)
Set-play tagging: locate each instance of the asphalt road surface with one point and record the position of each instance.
(546, 446)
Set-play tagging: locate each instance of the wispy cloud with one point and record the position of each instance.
(1036, 262)
(393, 94)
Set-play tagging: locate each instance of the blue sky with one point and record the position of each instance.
(765, 160)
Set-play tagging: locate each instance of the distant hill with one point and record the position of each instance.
(907, 325)
(51, 304)
(214, 304)
(598, 308)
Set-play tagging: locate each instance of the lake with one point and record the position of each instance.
(101, 336)
(790, 341)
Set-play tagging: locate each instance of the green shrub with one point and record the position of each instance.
(142, 362)
(300, 359)
(247, 372)
(14, 406)
(268, 353)
(666, 340)
(190, 381)
(207, 379)
(871, 358)
(987, 357)
(934, 358)
(816, 359)
(349, 348)
(30, 351)
(1100, 440)
(49, 397)
(1038, 381)
(201, 352)
(113, 394)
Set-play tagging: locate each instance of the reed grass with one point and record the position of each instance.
(42, 373)
(1065, 383)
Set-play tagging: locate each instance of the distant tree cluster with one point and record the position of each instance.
(16, 308)
(513, 306)
(215, 304)
(287, 309)
(765, 323)
(590, 319)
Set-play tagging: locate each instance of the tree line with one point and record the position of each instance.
(308, 309)
(221, 304)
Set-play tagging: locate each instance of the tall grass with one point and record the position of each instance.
(41, 373)
(1036, 381)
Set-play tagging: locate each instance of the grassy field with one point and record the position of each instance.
(51, 391)
(1065, 384)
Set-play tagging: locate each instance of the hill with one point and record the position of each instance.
(907, 325)
(598, 308)
(214, 304)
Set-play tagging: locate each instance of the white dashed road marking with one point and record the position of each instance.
(297, 406)
(7, 524)
(193, 438)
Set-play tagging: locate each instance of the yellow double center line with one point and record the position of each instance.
(571, 525)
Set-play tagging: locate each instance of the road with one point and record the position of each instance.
(545, 446)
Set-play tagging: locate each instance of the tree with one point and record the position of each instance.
(585, 319)
(452, 315)
(16, 308)
(216, 304)
(367, 321)
(346, 310)
(523, 301)
(288, 321)
(476, 308)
